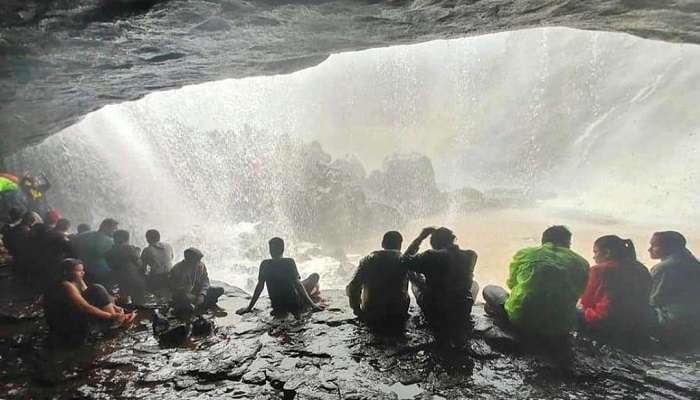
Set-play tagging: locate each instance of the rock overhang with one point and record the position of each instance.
(60, 60)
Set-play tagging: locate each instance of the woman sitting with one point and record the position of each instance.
(71, 305)
(615, 303)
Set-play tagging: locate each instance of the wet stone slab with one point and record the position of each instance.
(329, 355)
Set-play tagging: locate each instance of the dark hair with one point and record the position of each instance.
(152, 236)
(108, 223)
(83, 228)
(670, 240)
(558, 235)
(392, 240)
(192, 253)
(62, 224)
(67, 266)
(441, 238)
(276, 246)
(121, 236)
(620, 249)
(30, 217)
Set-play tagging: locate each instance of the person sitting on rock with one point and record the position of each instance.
(442, 280)
(189, 283)
(71, 306)
(92, 246)
(615, 303)
(546, 283)
(157, 258)
(378, 292)
(675, 288)
(125, 263)
(288, 294)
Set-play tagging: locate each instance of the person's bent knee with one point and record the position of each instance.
(97, 295)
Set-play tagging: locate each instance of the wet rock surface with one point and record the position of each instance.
(328, 355)
(60, 60)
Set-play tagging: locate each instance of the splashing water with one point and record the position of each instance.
(601, 128)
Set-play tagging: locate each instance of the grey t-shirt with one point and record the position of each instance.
(158, 257)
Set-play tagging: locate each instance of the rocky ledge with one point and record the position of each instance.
(325, 355)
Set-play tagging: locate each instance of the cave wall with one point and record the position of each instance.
(61, 59)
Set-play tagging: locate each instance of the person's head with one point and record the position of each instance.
(152, 236)
(72, 269)
(276, 247)
(30, 218)
(442, 238)
(613, 248)
(52, 216)
(121, 237)
(558, 235)
(193, 256)
(392, 240)
(663, 244)
(109, 226)
(62, 225)
(15, 214)
(82, 228)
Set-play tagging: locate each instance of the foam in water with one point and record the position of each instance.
(601, 124)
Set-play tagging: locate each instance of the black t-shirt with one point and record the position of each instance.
(280, 274)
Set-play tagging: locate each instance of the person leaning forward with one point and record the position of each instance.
(189, 283)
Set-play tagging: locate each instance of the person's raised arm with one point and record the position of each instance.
(410, 259)
(84, 306)
(256, 293)
(415, 244)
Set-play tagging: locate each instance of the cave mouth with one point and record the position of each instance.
(496, 136)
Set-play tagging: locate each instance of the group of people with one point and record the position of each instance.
(97, 275)
(552, 289)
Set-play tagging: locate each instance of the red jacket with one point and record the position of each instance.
(618, 292)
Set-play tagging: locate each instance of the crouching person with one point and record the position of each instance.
(189, 283)
(72, 306)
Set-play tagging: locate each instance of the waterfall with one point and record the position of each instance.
(591, 123)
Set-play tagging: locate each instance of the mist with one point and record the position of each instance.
(520, 129)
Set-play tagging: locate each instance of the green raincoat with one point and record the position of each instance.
(545, 282)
